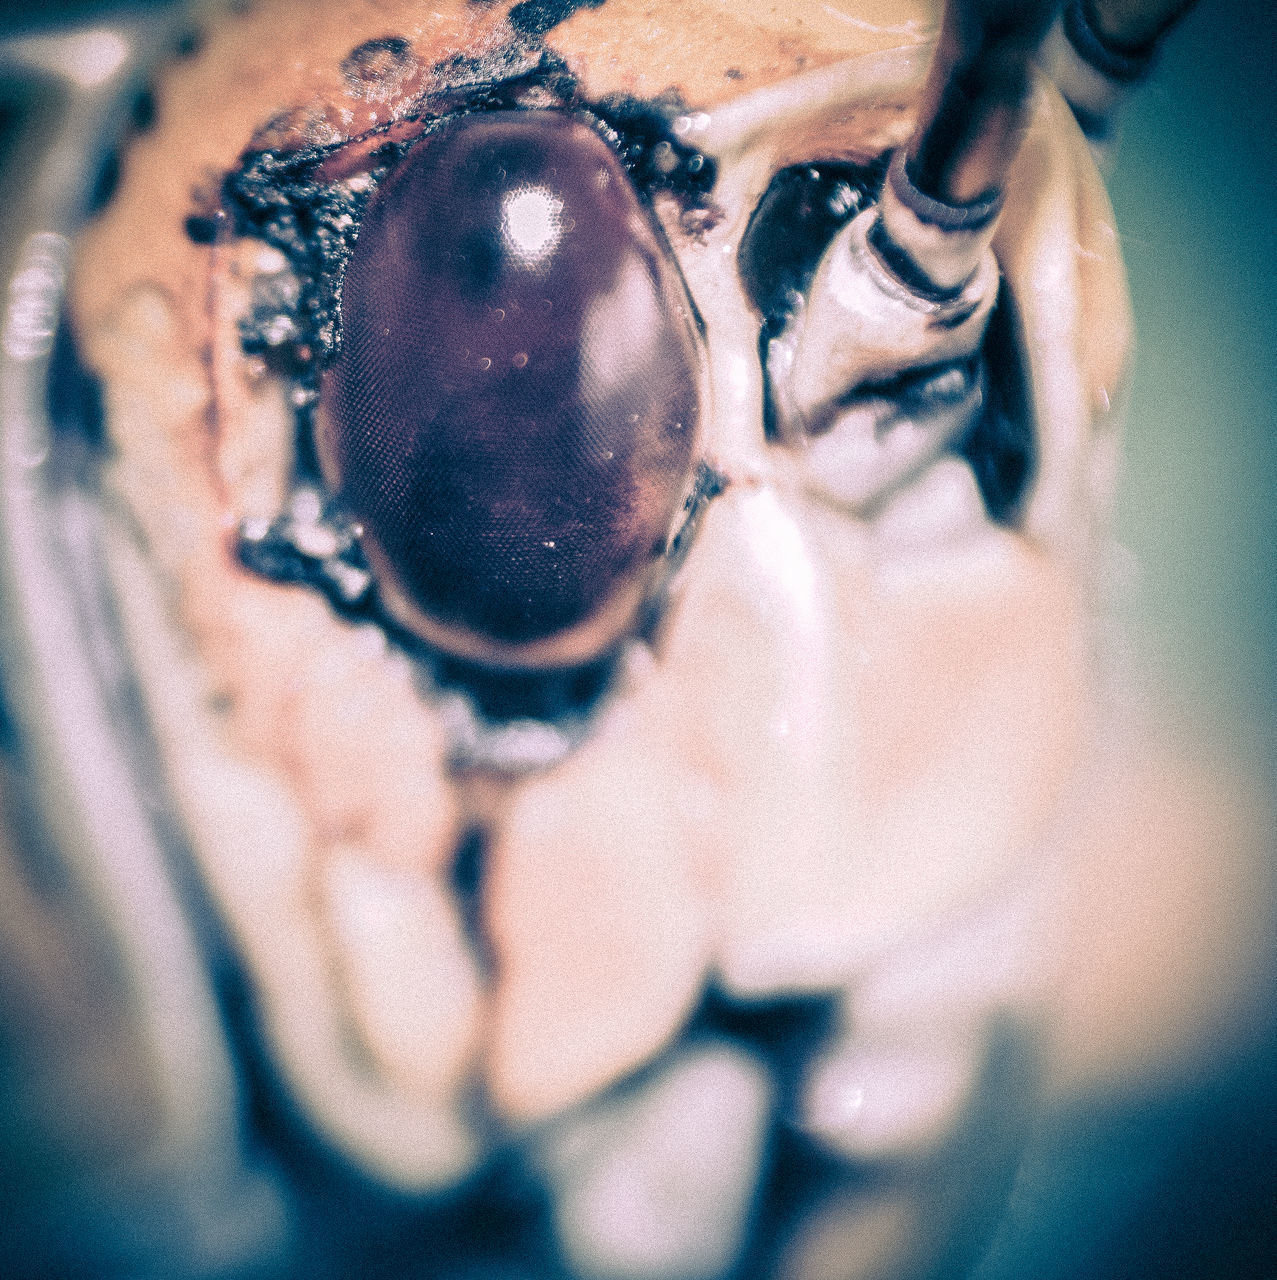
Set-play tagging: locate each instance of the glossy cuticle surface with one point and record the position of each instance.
(513, 414)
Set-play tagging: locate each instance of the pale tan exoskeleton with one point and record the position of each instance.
(761, 952)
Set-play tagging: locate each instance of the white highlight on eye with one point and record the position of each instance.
(532, 223)
(621, 330)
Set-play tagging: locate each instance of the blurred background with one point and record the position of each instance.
(1195, 192)
(1186, 1184)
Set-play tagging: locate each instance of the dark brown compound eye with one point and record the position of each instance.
(512, 416)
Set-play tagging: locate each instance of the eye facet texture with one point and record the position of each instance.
(513, 413)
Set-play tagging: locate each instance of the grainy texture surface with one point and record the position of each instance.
(850, 733)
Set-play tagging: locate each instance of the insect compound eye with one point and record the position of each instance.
(512, 416)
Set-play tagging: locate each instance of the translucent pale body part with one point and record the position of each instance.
(896, 1080)
(871, 448)
(1000, 956)
(837, 807)
(942, 505)
(909, 730)
(1010, 699)
(657, 1184)
(412, 989)
(889, 1102)
(266, 758)
(260, 880)
(598, 910)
